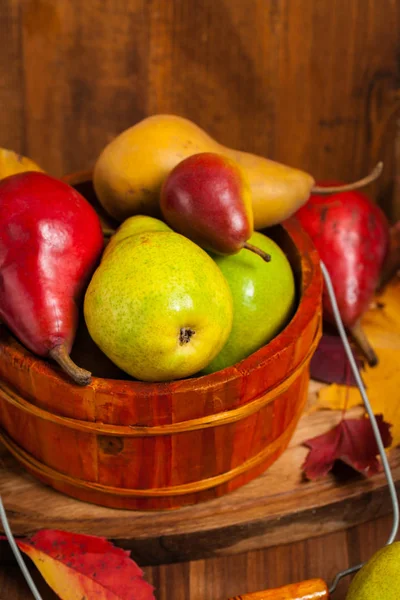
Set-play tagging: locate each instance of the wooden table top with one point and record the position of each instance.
(222, 577)
(272, 556)
(278, 507)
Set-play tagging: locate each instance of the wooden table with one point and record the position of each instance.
(220, 578)
(274, 531)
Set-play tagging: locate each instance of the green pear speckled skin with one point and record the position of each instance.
(158, 306)
(133, 226)
(379, 578)
(263, 299)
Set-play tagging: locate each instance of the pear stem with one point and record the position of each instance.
(362, 341)
(61, 356)
(264, 255)
(348, 187)
(107, 231)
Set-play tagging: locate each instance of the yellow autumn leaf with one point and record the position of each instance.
(79, 567)
(381, 324)
(66, 583)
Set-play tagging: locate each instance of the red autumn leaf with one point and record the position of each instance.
(352, 442)
(83, 566)
(330, 364)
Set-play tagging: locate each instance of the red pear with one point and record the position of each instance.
(50, 243)
(352, 236)
(206, 198)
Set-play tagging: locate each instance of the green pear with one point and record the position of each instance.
(263, 299)
(133, 226)
(379, 578)
(158, 306)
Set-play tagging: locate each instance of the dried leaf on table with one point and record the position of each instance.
(329, 363)
(382, 321)
(382, 326)
(81, 566)
(352, 441)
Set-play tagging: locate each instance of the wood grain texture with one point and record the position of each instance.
(12, 95)
(223, 577)
(276, 508)
(310, 84)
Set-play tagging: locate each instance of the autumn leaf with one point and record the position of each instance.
(82, 566)
(381, 324)
(330, 364)
(352, 441)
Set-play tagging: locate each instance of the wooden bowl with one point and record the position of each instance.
(127, 444)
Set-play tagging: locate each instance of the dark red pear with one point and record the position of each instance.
(352, 236)
(50, 243)
(207, 198)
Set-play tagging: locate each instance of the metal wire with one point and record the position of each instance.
(375, 428)
(17, 553)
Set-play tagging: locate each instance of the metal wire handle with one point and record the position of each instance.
(381, 448)
(17, 553)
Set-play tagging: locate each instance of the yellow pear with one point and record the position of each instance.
(158, 306)
(130, 170)
(133, 226)
(12, 163)
(379, 578)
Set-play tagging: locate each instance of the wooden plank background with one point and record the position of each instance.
(311, 84)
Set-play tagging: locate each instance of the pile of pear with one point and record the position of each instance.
(185, 286)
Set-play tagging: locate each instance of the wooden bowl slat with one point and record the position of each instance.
(128, 444)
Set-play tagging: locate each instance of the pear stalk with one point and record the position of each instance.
(348, 187)
(264, 255)
(60, 355)
(107, 231)
(362, 341)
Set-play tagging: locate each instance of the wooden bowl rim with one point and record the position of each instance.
(311, 289)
